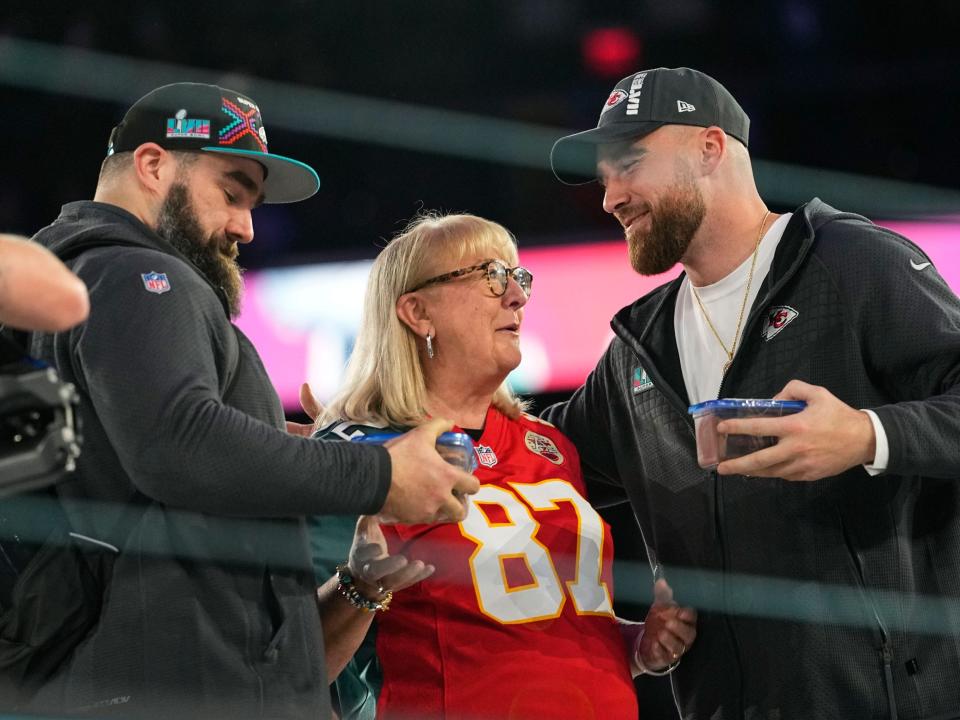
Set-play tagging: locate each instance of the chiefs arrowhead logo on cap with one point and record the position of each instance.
(616, 97)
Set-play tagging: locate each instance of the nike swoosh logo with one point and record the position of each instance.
(919, 266)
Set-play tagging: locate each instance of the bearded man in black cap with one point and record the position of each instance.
(825, 567)
(189, 487)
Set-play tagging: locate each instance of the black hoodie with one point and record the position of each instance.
(838, 598)
(211, 608)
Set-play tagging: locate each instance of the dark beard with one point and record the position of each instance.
(673, 223)
(178, 224)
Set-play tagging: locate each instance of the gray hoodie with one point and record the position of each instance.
(211, 608)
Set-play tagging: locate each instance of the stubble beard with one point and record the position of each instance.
(672, 224)
(178, 224)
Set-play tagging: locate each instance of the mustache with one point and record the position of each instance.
(629, 211)
(228, 248)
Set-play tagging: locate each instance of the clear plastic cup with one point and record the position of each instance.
(714, 447)
(454, 447)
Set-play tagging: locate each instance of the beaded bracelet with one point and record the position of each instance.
(346, 587)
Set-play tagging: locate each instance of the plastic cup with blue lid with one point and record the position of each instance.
(714, 447)
(454, 447)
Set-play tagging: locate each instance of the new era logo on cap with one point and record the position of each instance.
(684, 106)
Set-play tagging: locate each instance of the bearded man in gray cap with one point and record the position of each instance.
(824, 566)
(189, 490)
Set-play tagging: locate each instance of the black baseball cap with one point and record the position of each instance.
(643, 102)
(206, 118)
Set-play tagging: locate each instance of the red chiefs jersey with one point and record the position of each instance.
(517, 621)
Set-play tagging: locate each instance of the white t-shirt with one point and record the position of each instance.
(701, 356)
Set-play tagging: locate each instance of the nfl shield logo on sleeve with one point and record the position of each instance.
(485, 455)
(155, 282)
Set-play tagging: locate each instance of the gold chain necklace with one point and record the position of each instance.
(743, 305)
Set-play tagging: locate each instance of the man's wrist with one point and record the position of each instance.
(869, 439)
(880, 451)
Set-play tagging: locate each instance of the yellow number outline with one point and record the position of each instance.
(516, 498)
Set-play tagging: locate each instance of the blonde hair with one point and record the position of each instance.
(384, 382)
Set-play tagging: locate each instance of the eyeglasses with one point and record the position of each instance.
(497, 275)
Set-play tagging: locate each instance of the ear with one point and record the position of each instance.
(155, 168)
(712, 147)
(413, 313)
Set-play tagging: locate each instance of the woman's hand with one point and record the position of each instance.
(669, 631)
(374, 571)
(312, 407)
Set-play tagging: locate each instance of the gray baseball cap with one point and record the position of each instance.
(642, 103)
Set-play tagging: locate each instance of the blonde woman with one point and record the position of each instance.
(508, 613)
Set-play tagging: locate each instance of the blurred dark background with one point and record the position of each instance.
(869, 88)
(864, 87)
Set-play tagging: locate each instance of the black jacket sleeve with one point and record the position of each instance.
(585, 419)
(907, 320)
(155, 367)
